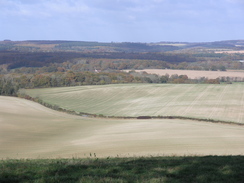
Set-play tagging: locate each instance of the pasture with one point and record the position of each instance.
(204, 101)
(30, 130)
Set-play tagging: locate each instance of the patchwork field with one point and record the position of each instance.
(205, 101)
(195, 74)
(29, 130)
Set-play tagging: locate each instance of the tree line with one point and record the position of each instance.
(11, 61)
(107, 65)
(11, 83)
(15, 59)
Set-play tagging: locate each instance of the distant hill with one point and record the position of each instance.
(40, 53)
(84, 46)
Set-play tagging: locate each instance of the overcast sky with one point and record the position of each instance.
(122, 20)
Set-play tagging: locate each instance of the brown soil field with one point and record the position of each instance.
(230, 51)
(42, 46)
(194, 74)
(29, 130)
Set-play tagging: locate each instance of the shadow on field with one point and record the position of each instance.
(154, 169)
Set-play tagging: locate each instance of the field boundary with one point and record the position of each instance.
(57, 108)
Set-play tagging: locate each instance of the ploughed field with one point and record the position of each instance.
(224, 102)
(196, 74)
(30, 130)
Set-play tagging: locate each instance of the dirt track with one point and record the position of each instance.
(29, 130)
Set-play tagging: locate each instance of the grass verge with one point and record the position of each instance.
(141, 169)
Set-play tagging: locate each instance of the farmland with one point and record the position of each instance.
(30, 130)
(197, 74)
(204, 101)
(129, 131)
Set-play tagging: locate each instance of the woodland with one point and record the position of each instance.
(38, 64)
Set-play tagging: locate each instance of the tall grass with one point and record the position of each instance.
(155, 169)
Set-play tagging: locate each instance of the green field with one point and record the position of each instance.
(205, 101)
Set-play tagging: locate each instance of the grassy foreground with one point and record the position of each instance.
(154, 169)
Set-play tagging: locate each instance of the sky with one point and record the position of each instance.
(122, 20)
